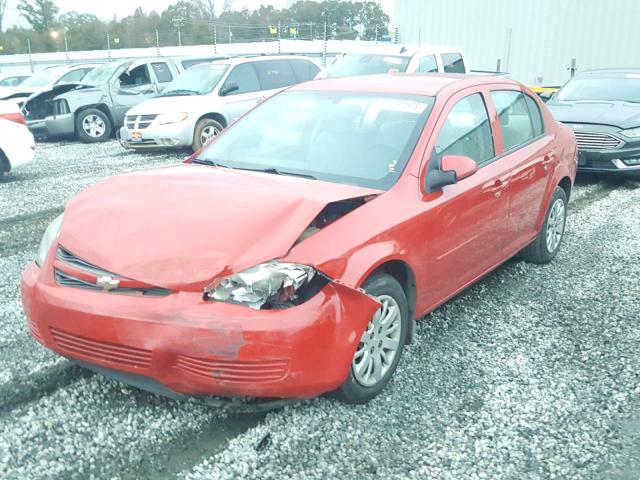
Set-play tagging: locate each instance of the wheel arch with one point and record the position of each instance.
(402, 272)
(5, 164)
(565, 184)
(218, 117)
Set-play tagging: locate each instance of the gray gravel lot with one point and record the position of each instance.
(532, 373)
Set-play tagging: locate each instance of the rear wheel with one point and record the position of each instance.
(546, 245)
(93, 125)
(206, 129)
(381, 344)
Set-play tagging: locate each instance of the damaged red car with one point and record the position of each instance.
(291, 256)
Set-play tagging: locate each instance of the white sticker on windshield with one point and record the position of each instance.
(392, 60)
(400, 105)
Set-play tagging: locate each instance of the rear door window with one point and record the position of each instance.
(163, 74)
(466, 131)
(517, 125)
(275, 74)
(453, 63)
(304, 70)
(243, 75)
(428, 64)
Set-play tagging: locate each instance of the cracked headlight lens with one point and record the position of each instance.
(271, 282)
(49, 238)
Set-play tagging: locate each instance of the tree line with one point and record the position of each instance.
(189, 22)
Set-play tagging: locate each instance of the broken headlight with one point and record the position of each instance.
(271, 283)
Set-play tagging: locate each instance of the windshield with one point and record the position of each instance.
(350, 65)
(102, 74)
(41, 79)
(618, 87)
(198, 80)
(357, 139)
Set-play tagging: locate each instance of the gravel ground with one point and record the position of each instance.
(532, 373)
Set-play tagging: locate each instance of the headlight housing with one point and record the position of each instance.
(49, 238)
(167, 118)
(274, 283)
(631, 132)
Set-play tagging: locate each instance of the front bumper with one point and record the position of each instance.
(196, 347)
(52, 127)
(156, 136)
(616, 161)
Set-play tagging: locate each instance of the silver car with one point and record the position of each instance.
(206, 98)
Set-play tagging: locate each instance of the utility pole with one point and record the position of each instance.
(324, 50)
(215, 39)
(157, 43)
(66, 47)
(108, 46)
(178, 22)
(279, 37)
(30, 59)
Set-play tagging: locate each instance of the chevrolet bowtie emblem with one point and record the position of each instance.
(107, 283)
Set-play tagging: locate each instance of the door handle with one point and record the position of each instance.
(548, 160)
(496, 187)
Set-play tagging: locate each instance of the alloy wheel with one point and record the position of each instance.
(555, 225)
(379, 344)
(208, 133)
(93, 126)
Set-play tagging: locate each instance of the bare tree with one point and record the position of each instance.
(3, 6)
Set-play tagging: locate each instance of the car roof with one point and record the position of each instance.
(259, 58)
(427, 84)
(606, 71)
(402, 50)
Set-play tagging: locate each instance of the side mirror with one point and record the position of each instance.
(228, 88)
(453, 168)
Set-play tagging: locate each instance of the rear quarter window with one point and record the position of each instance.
(304, 70)
(163, 74)
(274, 74)
(453, 63)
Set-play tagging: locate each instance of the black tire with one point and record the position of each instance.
(5, 166)
(102, 133)
(352, 391)
(538, 251)
(203, 124)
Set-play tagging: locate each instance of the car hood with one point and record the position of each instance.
(158, 105)
(181, 227)
(8, 92)
(616, 114)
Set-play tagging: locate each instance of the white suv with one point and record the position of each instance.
(206, 98)
(16, 141)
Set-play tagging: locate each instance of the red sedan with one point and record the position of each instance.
(290, 257)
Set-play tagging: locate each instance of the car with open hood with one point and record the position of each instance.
(44, 80)
(94, 107)
(603, 109)
(198, 104)
(292, 254)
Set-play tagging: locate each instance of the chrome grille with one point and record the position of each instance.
(66, 280)
(139, 122)
(67, 257)
(596, 140)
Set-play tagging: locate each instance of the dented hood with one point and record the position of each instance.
(180, 227)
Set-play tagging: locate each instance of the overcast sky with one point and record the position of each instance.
(107, 10)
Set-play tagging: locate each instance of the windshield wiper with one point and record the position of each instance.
(211, 163)
(179, 93)
(275, 171)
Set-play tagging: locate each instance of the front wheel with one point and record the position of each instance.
(381, 344)
(206, 129)
(546, 245)
(93, 125)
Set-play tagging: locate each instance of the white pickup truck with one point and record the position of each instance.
(398, 58)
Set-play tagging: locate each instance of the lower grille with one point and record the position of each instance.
(35, 331)
(96, 350)
(233, 371)
(596, 141)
